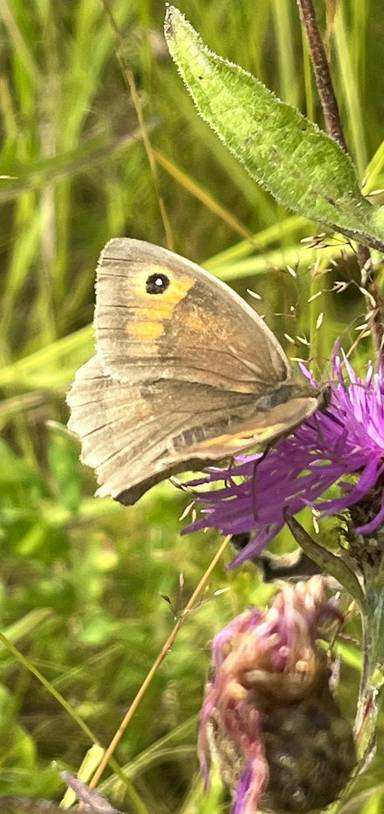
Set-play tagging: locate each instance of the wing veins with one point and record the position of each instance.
(154, 443)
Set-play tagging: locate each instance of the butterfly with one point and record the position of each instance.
(185, 373)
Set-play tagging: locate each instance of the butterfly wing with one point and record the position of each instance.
(128, 435)
(183, 375)
(192, 328)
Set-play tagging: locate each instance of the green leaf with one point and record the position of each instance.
(27, 624)
(302, 167)
(327, 561)
(88, 766)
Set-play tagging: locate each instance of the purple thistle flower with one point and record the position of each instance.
(269, 714)
(345, 439)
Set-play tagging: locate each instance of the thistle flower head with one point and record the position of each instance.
(345, 439)
(268, 711)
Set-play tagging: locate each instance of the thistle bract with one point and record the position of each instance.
(269, 713)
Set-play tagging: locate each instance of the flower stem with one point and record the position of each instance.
(372, 679)
(165, 650)
(334, 128)
(322, 73)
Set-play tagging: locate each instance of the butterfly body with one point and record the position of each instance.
(185, 373)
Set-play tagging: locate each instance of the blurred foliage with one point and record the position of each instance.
(82, 579)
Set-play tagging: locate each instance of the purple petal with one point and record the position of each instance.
(374, 524)
(346, 439)
(242, 791)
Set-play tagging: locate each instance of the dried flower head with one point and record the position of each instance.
(269, 713)
(345, 439)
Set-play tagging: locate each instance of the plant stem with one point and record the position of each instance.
(372, 678)
(165, 650)
(334, 128)
(322, 73)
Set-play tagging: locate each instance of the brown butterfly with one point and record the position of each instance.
(185, 373)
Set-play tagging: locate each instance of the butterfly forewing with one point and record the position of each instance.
(185, 373)
(196, 329)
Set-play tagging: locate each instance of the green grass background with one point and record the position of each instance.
(82, 579)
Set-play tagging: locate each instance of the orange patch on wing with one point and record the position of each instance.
(262, 428)
(155, 309)
(196, 321)
(229, 444)
(145, 331)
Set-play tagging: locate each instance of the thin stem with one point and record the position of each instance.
(49, 686)
(156, 664)
(130, 81)
(322, 73)
(372, 678)
(334, 128)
